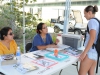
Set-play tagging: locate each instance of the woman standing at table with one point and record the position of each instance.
(42, 39)
(7, 43)
(89, 57)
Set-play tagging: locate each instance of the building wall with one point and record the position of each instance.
(48, 1)
(52, 12)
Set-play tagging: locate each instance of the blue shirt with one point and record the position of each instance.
(92, 24)
(38, 41)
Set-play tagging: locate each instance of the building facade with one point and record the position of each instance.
(48, 9)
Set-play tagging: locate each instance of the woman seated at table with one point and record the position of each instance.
(7, 43)
(42, 39)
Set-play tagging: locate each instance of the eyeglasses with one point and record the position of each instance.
(10, 33)
(44, 28)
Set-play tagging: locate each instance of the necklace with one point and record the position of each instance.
(44, 40)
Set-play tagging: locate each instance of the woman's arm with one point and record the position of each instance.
(57, 41)
(90, 43)
(41, 47)
(91, 40)
(47, 46)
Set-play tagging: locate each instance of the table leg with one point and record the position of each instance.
(60, 71)
(76, 65)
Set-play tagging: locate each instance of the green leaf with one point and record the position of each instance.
(26, 1)
(34, 0)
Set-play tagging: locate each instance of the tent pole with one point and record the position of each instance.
(24, 25)
(66, 18)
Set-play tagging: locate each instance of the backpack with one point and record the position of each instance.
(97, 45)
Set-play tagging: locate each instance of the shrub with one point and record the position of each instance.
(29, 34)
(18, 32)
(53, 35)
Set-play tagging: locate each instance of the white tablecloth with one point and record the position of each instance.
(10, 70)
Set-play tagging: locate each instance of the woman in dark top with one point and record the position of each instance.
(42, 39)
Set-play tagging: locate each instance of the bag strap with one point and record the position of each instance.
(98, 22)
(99, 27)
(88, 29)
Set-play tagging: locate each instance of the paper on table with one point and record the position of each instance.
(73, 51)
(52, 49)
(30, 55)
(45, 62)
(25, 67)
(63, 46)
(7, 57)
(40, 52)
(60, 47)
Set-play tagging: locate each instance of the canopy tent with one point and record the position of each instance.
(66, 19)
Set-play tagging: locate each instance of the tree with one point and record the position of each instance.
(5, 16)
(12, 15)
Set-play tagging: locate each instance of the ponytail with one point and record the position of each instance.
(39, 27)
(95, 8)
(91, 8)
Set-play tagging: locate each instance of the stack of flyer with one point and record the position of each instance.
(73, 51)
(25, 67)
(8, 59)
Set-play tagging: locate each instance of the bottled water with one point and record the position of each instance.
(18, 55)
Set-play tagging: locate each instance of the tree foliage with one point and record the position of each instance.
(11, 14)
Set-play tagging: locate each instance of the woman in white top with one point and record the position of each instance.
(89, 57)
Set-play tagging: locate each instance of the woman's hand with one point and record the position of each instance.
(57, 41)
(82, 56)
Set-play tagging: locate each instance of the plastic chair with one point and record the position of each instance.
(28, 47)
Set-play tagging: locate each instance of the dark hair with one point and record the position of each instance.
(4, 32)
(91, 8)
(39, 27)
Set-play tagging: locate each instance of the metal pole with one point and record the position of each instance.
(58, 12)
(66, 18)
(69, 6)
(11, 16)
(24, 25)
(11, 4)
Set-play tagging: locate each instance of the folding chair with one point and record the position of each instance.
(28, 47)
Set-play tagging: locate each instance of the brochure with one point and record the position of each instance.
(73, 51)
(25, 67)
